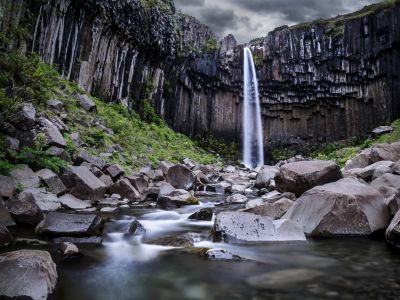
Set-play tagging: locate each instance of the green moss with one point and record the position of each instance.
(193, 201)
(198, 251)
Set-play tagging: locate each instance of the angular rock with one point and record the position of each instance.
(367, 173)
(176, 199)
(164, 167)
(8, 129)
(8, 186)
(220, 188)
(56, 105)
(396, 168)
(71, 202)
(172, 241)
(106, 180)
(393, 231)
(5, 216)
(387, 152)
(47, 201)
(201, 177)
(274, 211)
(360, 161)
(236, 199)
(26, 177)
(238, 189)
(345, 207)
(69, 250)
(52, 181)
(88, 157)
(221, 254)
(125, 189)
(5, 237)
(24, 119)
(301, 176)
(109, 210)
(24, 210)
(85, 102)
(27, 274)
(11, 144)
(204, 214)
(83, 184)
(166, 189)
(136, 228)
(60, 153)
(382, 183)
(70, 225)
(381, 130)
(243, 227)
(180, 177)
(115, 170)
(254, 203)
(76, 138)
(393, 203)
(263, 179)
(379, 171)
(53, 135)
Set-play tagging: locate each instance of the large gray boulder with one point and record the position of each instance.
(71, 225)
(24, 119)
(180, 177)
(55, 105)
(5, 216)
(83, 184)
(368, 172)
(5, 237)
(274, 211)
(164, 167)
(301, 176)
(53, 135)
(387, 184)
(86, 156)
(71, 202)
(85, 102)
(236, 199)
(360, 161)
(124, 188)
(52, 181)
(47, 201)
(24, 210)
(388, 152)
(166, 189)
(263, 179)
(345, 207)
(25, 176)
(393, 231)
(27, 274)
(176, 199)
(243, 227)
(8, 186)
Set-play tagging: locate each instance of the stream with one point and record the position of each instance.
(124, 267)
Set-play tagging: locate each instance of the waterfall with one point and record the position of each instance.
(253, 148)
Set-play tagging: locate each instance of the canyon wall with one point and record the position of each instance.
(314, 87)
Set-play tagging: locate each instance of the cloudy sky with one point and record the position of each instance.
(248, 19)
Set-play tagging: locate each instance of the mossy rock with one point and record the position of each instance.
(198, 251)
(172, 241)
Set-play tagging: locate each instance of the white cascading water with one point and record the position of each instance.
(252, 126)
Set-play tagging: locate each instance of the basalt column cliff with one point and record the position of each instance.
(316, 84)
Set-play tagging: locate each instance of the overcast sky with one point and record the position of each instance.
(248, 19)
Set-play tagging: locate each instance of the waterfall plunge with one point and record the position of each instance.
(253, 148)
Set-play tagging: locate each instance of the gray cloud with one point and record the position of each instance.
(247, 19)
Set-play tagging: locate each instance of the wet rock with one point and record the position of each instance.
(5, 216)
(124, 188)
(274, 211)
(382, 183)
(71, 202)
(70, 225)
(5, 237)
(136, 228)
(221, 254)
(115, 170)
(283, 279)
(386, 152)
(204, 214)
(47, 201)
(52, 181)
(176, 199)
(24, 241)
(243, 227)
(109, 210)
(238, 189)
(271, 195)
(345, 207)
(75, 240)
(254, 203)
(180, 177)
(236, 199)
(83, 184)
(85, 102)
(8, 186)
(201, 178)
(60, 153)
(220, 188)
(24, 119)
(69, 250)
(27, 274)
(88, 157)
(24, 210)
(53, 135)
(26, 177)
(301, 176)
(263, 179)
(214, 178)
(171, 241)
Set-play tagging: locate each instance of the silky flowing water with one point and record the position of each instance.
(123, 267)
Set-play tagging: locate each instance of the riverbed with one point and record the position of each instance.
(125, 267)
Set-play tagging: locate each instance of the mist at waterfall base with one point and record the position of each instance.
(253, 148)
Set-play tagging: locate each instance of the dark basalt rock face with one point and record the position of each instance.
(314, 88)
